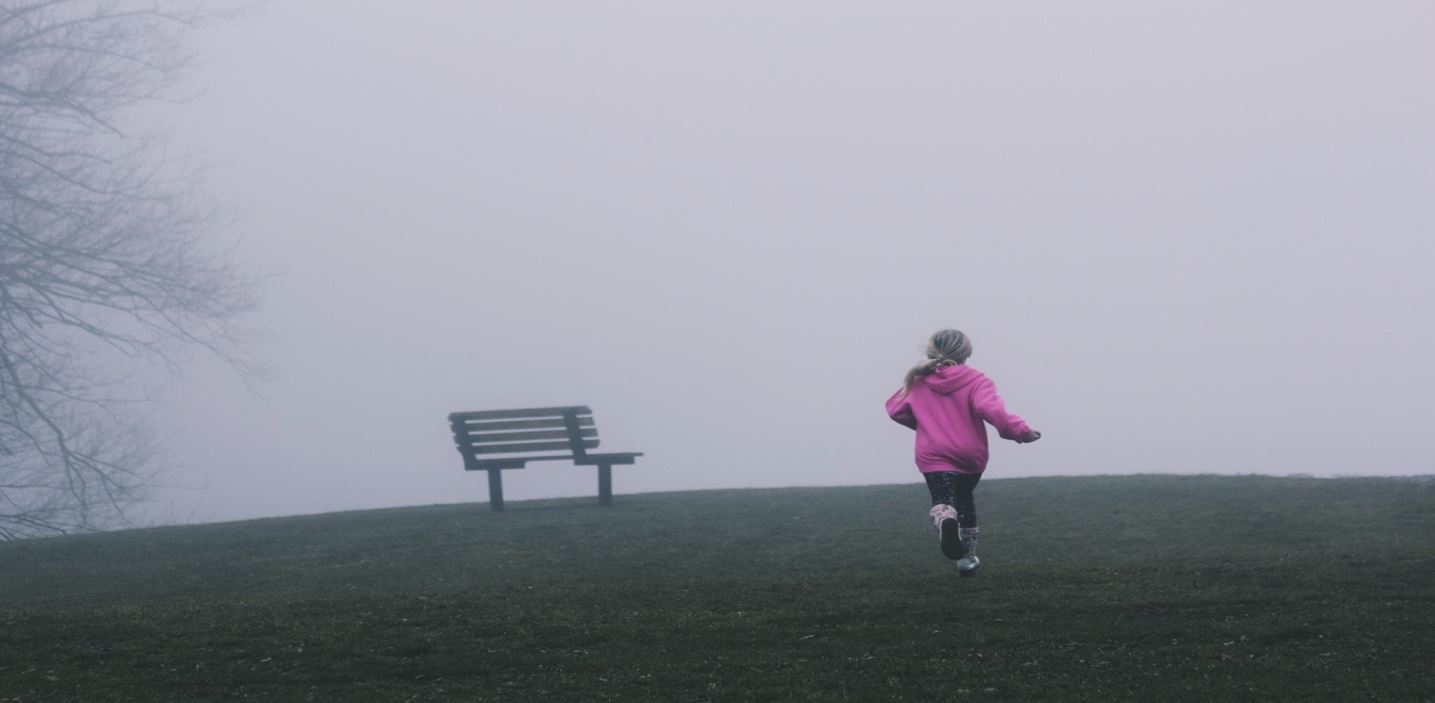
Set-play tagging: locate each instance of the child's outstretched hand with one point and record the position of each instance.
(1029, 438)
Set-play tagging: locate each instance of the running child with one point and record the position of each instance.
(946, 402)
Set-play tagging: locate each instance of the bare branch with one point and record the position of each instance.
(102, 246)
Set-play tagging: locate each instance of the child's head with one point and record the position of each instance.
(949, 345)
(945, 348)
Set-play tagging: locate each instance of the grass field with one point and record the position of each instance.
(1096, 588)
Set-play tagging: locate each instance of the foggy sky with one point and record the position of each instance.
(1189, 237)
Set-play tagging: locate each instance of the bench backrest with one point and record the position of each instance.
(497, 434)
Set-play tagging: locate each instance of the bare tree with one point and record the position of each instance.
(104, 254)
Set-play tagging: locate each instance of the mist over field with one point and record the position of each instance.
(1189, 238)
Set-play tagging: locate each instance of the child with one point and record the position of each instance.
(946, 401)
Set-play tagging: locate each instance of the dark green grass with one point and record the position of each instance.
(1130, 588)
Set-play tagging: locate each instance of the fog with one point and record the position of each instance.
(1188, 237)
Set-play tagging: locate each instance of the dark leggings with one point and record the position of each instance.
(955, 489)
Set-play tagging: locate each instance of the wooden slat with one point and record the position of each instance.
(527, 436)
(494, 426)
(517, 462)
(528, 447)
(600, 459)
(561, 457)
(520, 412)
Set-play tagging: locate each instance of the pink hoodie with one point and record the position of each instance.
(946, 409)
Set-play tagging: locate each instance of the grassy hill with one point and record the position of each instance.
(1134, 588)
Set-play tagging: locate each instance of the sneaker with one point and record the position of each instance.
(967, 566)
(951, 537)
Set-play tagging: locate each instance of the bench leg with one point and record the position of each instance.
(495, 489)
(605, 484)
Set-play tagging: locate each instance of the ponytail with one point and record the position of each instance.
(945, 348)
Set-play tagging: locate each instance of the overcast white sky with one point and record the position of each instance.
(1185, 237)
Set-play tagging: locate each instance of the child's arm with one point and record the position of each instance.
(991, 408)
(899, 409)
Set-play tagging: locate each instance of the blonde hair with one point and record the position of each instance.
(944, 348)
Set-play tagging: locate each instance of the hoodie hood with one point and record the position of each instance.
(949, 379)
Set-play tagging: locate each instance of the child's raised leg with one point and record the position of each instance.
(946, 511)
(944, 519)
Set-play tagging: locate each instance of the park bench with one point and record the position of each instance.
(496, 440)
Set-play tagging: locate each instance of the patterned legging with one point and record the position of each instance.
(955, 489)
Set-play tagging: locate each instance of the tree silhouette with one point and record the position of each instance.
(104, 255)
